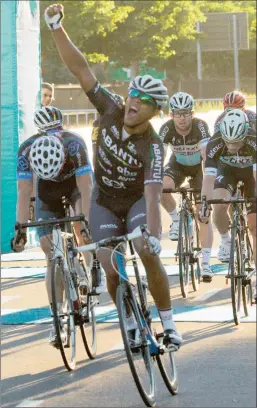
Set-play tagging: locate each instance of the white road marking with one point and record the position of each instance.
(30, 403)
(207, 295)
(5, 299)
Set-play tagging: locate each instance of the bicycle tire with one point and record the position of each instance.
(247, 295)
(88, 323)
(235, 269)
(195, 267)
(148, 396)
(247, 292)
(168, 371)
(57, 273)
(183, 254)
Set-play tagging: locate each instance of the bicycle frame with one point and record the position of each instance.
(154, 346)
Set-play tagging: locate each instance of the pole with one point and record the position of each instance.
(236, 62)
(199, 61)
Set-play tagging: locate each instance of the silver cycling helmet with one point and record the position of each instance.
(48, 117)
(234, 126)
(181, 100)
(152, 87)
(47, 157)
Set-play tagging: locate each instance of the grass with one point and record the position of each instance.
(217, 105)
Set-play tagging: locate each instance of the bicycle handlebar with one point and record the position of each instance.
(181, 190)
(44, 223)
(231, 200)
(139, 231)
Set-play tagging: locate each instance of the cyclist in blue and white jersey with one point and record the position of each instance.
(231, 157)
(187, 137)
(59, 158)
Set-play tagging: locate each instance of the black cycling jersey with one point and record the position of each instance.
(76, 156)
(217, 151)
(186, 148)
(122, 168)
(250, 114)
(76, 164)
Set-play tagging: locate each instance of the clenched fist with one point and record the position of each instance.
(53, 16)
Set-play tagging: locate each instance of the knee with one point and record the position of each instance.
(220, 209)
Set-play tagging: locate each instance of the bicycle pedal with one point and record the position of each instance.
(207, 279)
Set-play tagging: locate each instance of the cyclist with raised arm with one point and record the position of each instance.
(96, 125)
(128, 171)
(235, 100)
(187, 137)
(59, 159)
(230, 157)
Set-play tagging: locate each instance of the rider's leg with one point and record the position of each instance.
(223, 188)
(157, 278)
(104, 224)
(173, 177)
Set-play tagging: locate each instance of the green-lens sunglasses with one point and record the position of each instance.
(135, 93)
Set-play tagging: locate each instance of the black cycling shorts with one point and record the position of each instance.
(228, 177)
(178, 173)
(105, 223)
(49, 200)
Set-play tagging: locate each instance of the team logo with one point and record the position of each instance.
(113, 183)
(23, 163)
(73, 148)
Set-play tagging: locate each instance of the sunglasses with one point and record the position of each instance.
(135, 93)
(180, 113)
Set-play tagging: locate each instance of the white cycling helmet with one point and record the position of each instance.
(234, 126)
(47, 117)
(47, 157)
(152, 87)
(181, 100)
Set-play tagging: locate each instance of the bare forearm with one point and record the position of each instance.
(22, 213)
(73, 58)
(153, 217)
(208, 187)
(85, 186)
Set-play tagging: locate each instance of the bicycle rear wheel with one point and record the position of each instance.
(195, 248)
(183, 253)
(138, 354)
(63, 320)
(235, 271)
(88, 319)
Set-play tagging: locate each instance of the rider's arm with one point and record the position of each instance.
(153, 208)
(213, 150)
(85, 186)
(25, 188)
(153, 169)
(164, 136)
(83, 171)
(71, 56)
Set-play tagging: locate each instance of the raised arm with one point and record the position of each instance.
(71, 56)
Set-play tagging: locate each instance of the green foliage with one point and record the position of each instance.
(132, 31)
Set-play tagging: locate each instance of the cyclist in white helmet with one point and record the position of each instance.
(128, 171)
(187, 137)
(59, 158)
(231, 157)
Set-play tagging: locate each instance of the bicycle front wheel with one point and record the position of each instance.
(63, 320)
(183, 253)
(88, 318)
(168, 370)
(235, 270)
(195, 248)
(137, 350)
